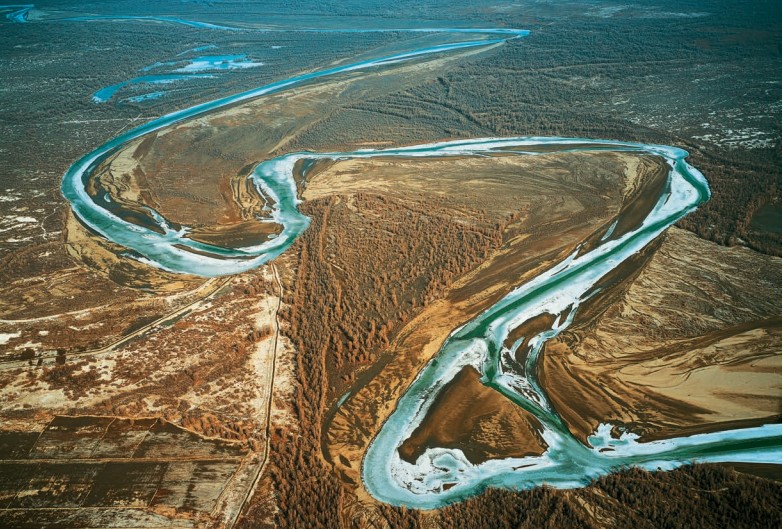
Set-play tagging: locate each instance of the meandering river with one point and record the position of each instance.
(441, 476)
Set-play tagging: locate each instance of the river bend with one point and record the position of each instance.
(442, 476)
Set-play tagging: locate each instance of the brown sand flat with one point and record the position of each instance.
(214, 152)
(651, 180)
(477, 420)
(555, 211)
(691, 346)
(646, 178)
(532, 327)
(248, 233)
(204, 184)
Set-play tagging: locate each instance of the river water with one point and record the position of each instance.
(172, 250)
(443, 476)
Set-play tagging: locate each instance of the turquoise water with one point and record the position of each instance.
(181, 70)
(206, 63)
(106, 94)
(218, 63)
(443, 476)
(170, 249)
(18, 12)
(164, 19)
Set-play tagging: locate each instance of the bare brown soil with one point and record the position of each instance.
(642, 195)
(115, 472)
(526, 331)
(426, 253)
(545, 230)
(478, 420)
(241, 234)
(399, 253)
(198, 356)
(642, 363)
(72, 309)
(111, 260)
(206, 184)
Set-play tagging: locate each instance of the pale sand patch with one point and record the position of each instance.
(632, 175)
(694, 341)
(741, 381)
(8, 336)
(434, 175)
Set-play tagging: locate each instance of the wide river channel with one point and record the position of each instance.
(442, 476)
